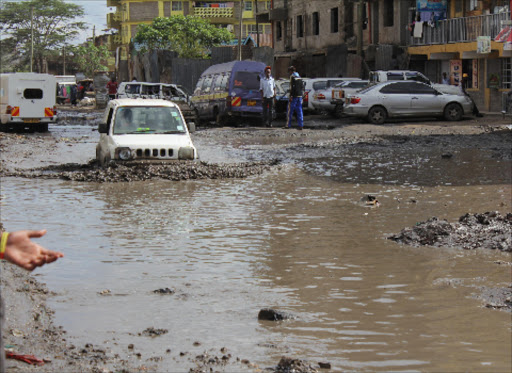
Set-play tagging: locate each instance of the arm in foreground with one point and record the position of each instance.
(27, 254)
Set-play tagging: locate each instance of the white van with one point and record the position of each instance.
(143, 130)
(27, 100)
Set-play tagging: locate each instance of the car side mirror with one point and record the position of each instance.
(103, 128)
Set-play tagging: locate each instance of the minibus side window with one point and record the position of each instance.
(218, 83)
(225, 82)
(197, 91)
(207, 84)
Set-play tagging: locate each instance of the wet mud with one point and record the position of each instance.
(129, 172)
(489, 230)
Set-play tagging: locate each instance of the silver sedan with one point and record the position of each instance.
(406, 98)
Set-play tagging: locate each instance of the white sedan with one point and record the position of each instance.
(394, 99)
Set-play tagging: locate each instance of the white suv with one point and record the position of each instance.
(143, 130)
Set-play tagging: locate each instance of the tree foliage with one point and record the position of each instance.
(190, 37)
(90, 58)
(55, 23)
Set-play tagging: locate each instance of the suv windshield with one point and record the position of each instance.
(148, 119)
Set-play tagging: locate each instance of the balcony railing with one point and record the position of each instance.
(461, 30)
(214, 12)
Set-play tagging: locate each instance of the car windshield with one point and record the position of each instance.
(148, 119)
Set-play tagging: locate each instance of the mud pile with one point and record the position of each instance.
(489, 230)
(144, 171)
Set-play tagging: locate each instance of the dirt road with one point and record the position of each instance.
(29, 328)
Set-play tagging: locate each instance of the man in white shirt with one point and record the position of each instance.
(268, 93)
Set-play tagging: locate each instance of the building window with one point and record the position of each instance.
(334, 20)
(248, 6)
(279, 30)
(300, 26)
(177, 6)
(389, 13)
(251, 29)
(316, 23)
(268, 5)
(506, 73)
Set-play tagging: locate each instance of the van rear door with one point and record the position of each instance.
(34, 97)
(245, 93)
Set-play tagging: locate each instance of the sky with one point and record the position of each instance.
(95, 15)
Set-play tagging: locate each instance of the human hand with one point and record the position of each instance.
(25, 253)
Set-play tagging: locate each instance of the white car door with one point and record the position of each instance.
(396, 98)
(425, 99)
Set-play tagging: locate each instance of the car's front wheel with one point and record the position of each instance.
(453, 112)
(377, 115)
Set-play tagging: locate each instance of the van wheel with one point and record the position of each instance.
(453, 112)
(377, 115)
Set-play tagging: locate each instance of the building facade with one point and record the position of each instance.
(127, 15)
(473, 38)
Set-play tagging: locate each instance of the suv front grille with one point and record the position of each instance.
(154, 153)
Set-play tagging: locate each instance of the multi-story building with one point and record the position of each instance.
(466, 37)
(129, 14)
(322, 36)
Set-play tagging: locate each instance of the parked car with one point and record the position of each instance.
(229, 90)
(380, 76)
(314, 84)
(143, 130)
(331, 100)
(344, 90)
(385, 100)
(166, 91)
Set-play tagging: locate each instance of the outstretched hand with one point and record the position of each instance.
(27, 254)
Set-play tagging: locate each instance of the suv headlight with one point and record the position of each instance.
(186, 152)
(124, 154)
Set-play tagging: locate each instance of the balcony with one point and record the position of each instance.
(214, 12)
(111, 3)
(113, 20)
(461, 30)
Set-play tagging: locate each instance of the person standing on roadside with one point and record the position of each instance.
(445, 80)
(463, 83)
(19, 249)
(268, 93)
(112, 88)
(295, 100)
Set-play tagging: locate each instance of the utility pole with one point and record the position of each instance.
(360, 28)
(257, 25)
(240, 31)
(31, 38)
(93, 33)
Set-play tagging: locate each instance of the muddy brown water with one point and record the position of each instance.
(296, 239)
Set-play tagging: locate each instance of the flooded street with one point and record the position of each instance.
(297, 239)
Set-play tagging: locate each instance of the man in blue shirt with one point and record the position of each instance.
(268, 93)
(295, 100)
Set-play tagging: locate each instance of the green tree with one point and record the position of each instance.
(190, 37)
(54, 22)
(90, 58)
